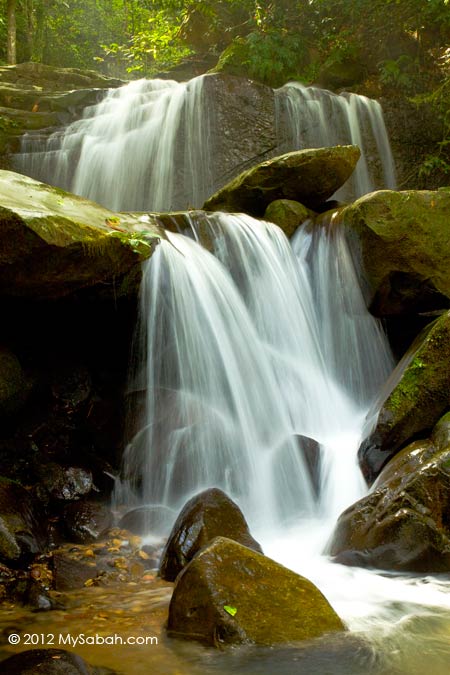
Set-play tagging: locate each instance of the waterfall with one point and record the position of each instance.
(147, 146)
(309, 117)
(240, 368)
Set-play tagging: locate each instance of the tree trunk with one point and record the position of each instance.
(11, 23)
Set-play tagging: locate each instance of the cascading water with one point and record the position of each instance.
(143, 147)
(241, 364)
(148, 145)
(309, 117)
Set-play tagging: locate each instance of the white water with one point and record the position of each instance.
(246, 349)
(143, 147)
(148, 145)
(309, 117)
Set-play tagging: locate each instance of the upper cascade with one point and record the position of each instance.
(160, 145)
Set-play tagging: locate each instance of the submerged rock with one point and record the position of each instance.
(307, 176)
(405, 248)
(416, 403)
(22, 531)
(208, 515)
(147, 520)
(50, 662)
(403, 524)
(53, 243)
(229, 594)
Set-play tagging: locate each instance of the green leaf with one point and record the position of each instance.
(231, 610)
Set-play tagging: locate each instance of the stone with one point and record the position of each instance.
(66, 483)
(22, 532)
(404, 243)
(208, 515)
(287, 214)
(71, 387)
(229, 594)
(403, 523)
(14, 388)
(419, 399)
(70, 574)
(50, 662)
(144, 520)
(53, 243)
(85, 521)
(307, 176)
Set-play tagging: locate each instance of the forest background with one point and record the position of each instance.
(376, 47)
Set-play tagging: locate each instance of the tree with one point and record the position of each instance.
(12, 32)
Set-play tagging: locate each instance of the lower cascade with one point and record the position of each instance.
(255, 350)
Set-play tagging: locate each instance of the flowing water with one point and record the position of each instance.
(148, 145)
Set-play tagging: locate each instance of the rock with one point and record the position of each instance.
(307, 176)
(70, 574)
(229, 594)
(416, 403)
(86, 521)
(71, 387)
(13, 384)
(55, 79)
(147, 520)
(208, 515)
(310, 450)
(287, 214)
(404, 239)
(22, 531)
(403, 523)
(53, 243)
(66, 483)
(50, 662)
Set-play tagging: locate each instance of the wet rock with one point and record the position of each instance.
(69, 573)
(53, 243)
(66, 483)
(229, 594)
(403, 523)
(208, 515)
(310, 449)
(416, 403)
(13, 385)
(71, 387)
(22, 532)
(86, 521)
(147, 520)
(287, 214)
(50, 662)
(404, 239)
(306, 176)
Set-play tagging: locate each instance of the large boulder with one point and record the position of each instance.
(307, 176)
(404, 239)
(420, 397)
(208, 515)
(229, 594)
(403, 524)
(22, 531)
(53, 243)
(287, 214)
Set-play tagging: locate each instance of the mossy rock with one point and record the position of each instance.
(54, 78)
(21, 524)
(418, 400)
(404, 239)
(307, 176)
(287, 214)
(228, 594)
(403, 523)
(53, 243)
(206, 516)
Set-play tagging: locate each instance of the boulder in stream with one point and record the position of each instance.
(53, 243)
(208, 515)
(50, 662)
(229, 594)
(403, 524)
(306, 176)
(416, 403)
(287, 214)
(404, 240)
(22, 531)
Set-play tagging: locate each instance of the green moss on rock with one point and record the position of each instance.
(307, 176)
(287, 214)
(229, 594)
(405, 248)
